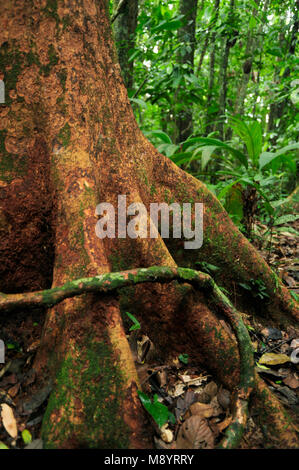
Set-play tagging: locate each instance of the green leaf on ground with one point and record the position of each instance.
(26, 436)
(157, 410)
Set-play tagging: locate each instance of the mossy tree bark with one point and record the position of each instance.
(124, 31)
(69, 141)
(185, 57)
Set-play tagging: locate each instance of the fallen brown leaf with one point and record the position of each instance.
(195, 433)
(8, 420)
(202, 410)
(13, 391)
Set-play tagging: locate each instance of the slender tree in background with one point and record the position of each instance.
(254, 39)
(231, 37)
(208, 34)
(185, 56)
(230, 80)
(211, 115)
(125, 22)
(68, 141)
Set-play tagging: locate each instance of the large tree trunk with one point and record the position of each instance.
(126, 13)
(69, 140)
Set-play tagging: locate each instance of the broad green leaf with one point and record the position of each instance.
(234, 203)
(206, 156)
(287, 230)
(252, 22)
(268, 157)
(251, 134)
(208, 12)
(265, 158)
(134, 55)
(169, 69)
(285, 219)
(160, 135)
(275, 51)
(172, 25)
(207, 141)
(168, 25)
(226, 189)
(157, 410)
(182, 157)
(26, 436)
(295, 96)
(287, 148)
(141, 103)
(207, 267)
(192, 79)
(295, 93)
(184, 358)
(294, 295)
(253, 4)
(168, 149)
(3, 446)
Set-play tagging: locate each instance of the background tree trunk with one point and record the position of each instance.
(185, 55)
(211, 115)
(253, 40)
(70, 141)
(230, 40)
(124, 31)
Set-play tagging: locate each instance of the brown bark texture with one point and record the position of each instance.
(68, 141)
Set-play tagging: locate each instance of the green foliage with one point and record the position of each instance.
(257, 288)
(136, 325)
(157, 410)
(236, 168)
(259, 144)
(207, 267)
(26, 436)
(3, 446)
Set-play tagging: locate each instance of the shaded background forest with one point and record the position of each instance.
(213, 86)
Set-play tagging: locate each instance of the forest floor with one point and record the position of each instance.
(199, 407)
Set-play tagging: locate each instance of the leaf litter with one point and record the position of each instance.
(202, 408)
(199, 406)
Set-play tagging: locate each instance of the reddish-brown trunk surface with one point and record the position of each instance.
(68, 141)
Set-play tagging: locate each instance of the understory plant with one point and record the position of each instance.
(251, 180)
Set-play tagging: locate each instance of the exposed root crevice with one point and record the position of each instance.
(112, 281)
